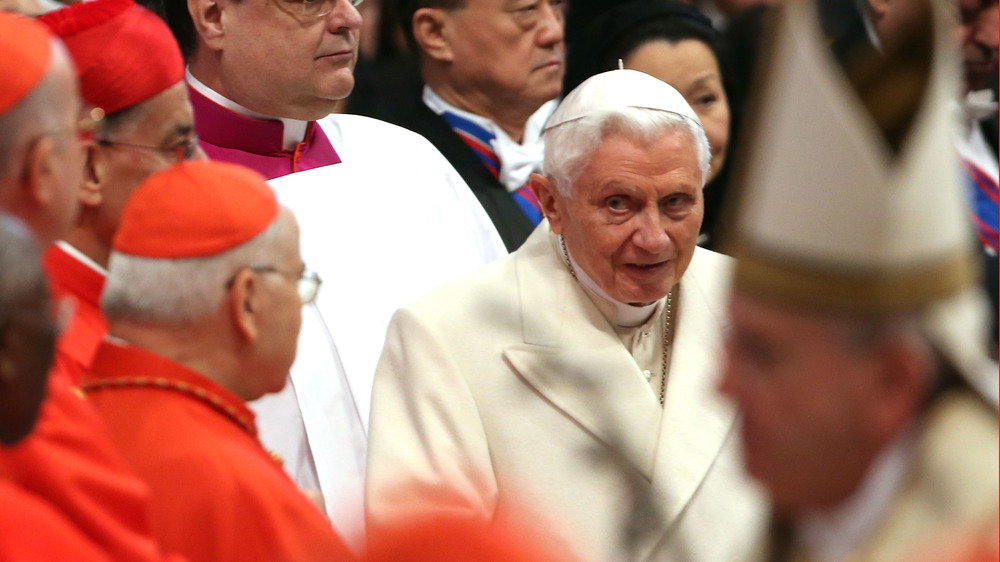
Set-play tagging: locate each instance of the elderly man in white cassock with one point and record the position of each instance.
(857, 348)
(571, 384)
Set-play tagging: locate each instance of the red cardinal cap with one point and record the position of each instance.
(124, 53)
(195, 209)
(25, 50)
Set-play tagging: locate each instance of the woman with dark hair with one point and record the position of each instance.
(677, 44)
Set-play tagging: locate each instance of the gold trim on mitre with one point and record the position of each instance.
(826, 210)
(866, 292)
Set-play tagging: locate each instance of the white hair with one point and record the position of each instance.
(569, 146)
(181, 291)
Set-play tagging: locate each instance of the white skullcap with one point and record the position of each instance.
(618, 89)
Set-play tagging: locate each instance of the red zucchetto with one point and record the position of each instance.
(25, 51)
(124, 53)
(195, 209)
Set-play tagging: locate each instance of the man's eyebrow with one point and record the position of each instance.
(707, 77)
(184, 129)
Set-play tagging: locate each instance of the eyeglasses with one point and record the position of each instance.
(185, 150)
(307, 283)
(310, 9)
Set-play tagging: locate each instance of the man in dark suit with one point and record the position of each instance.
(491, 72)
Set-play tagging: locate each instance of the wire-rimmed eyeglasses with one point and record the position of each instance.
(307, 283)
(185, 150)
(310, 9)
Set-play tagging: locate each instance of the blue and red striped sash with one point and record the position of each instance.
(984, 204)
(480, 140)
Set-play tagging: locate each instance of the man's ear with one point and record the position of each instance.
(207, 18)
(550, 200)
(92, 192)
(39, 171)
(430, 29)
(243, 305)
(905, 366)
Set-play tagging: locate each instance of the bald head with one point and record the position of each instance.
(41, 156)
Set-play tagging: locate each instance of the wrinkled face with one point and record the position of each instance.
(692, 69)
(632, 221)
(508, 50)
(278, 62)
(156, 129)
(27, 345)
(802, 393)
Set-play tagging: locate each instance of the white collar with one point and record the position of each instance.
(616, 312)
(81, 257)
(517, 160)
(978, 105)
(835, 533)
(294, 132)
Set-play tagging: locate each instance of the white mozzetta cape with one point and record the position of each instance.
(507, 395)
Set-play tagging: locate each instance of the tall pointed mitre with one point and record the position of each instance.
(840, 208)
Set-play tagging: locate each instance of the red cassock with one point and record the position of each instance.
(34, 531)
(78, 284)
(69, 462)
(217, 494)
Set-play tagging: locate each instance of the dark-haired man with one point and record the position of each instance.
(492, 70)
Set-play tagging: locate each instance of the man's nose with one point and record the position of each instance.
(651, 234)
(553, 24)
(344, 16)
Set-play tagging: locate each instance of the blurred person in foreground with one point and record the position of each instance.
(182, 359)
(264, 77)
(492, 71)
(67, 461)
(33, 529)
(673, 42)
(570, 385)
(857, 349)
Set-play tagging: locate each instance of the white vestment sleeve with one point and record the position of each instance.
(428, 452)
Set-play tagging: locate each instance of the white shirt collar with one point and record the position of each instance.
(517, 160)
(81, 257)
(833, 534)
(624, 314)
(294, 132)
